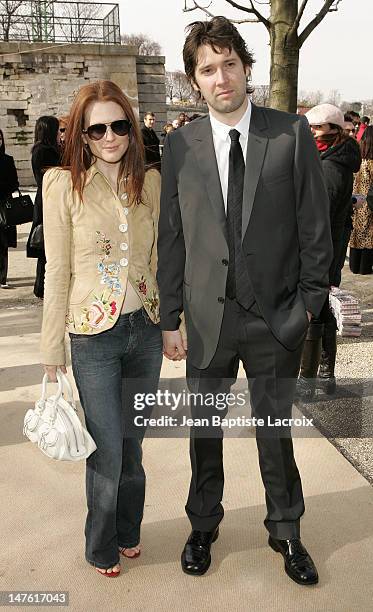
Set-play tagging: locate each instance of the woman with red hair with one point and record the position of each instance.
(100, 229)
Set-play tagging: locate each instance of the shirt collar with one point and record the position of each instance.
(91, 172)
(221, 130)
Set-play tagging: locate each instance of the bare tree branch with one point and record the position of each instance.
(327, 8)
(251, 10)
(295, 26)
(207, 12)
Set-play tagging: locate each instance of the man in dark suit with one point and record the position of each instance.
(244, 250)
(151, 141)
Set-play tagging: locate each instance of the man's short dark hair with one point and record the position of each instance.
(365, 120)
(220, 34)
(149, 114)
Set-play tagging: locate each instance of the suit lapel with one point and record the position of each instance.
(203, 147)
(256, 150)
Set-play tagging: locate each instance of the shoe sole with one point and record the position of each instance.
(278, 550)
(208, 562)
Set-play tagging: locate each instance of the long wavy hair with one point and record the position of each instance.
(78, 157)
(46, 131)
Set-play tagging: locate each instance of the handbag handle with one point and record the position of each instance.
(63, 382)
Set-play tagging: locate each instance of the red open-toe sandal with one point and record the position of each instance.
(107, 574)
(122, 551)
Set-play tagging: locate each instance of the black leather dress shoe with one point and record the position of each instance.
(196, 557)
(298, 563)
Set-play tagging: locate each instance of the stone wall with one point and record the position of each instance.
(35, 82)
(152, 88)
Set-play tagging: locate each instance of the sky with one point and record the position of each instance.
(336, 56)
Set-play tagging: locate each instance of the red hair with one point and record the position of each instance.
(78, 158)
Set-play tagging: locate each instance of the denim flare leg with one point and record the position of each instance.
(104, 366)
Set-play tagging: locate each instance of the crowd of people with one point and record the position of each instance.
(127, 254)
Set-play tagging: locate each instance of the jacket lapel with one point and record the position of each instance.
(256, 150)
(203, 147)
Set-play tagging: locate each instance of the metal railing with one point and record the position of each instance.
(57, 21)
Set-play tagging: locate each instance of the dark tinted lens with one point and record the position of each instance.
(96, 131)
(121, 127)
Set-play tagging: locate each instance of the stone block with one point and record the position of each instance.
(152, 98)
(14, 106)
(153, 88)
(150, 69)
(150, 78)
(156, 107)
(150, 59)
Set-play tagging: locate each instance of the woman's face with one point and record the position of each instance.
(320, 129)
(111, 147)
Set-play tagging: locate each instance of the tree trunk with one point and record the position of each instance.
(284, 56)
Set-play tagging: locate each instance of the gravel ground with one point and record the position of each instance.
(347, 418)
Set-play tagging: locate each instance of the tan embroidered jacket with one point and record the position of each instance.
(93, 249)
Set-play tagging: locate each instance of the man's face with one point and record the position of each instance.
(149, 121)
(221, 79)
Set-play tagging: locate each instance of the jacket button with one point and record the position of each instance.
(124, 196)
(221, 300)
(124, 246)
(225, 262)
(124, 262)
(125, 210)
(123, 227)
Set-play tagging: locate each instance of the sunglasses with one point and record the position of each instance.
(121, 127)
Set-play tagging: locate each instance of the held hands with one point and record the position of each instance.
(175, 346)
(51, 371)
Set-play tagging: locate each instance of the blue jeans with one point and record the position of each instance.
(104, 366)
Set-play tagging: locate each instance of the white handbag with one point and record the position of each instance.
(55, 426)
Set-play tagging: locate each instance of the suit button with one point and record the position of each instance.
(123, 262)
(225, 262)
(221, 300)
(123, 227)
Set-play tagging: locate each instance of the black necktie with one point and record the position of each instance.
(238, 282)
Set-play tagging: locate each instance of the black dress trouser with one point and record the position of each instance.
(271, 371)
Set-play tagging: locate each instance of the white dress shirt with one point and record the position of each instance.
(222, 145)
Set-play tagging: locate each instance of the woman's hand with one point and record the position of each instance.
(51, 371)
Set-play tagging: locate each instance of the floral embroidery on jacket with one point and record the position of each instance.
(151, 301)
(104, 243)
(69, 319)
(142, 285)
(101, 310)
(109, 272)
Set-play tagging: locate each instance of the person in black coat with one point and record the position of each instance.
(340, 158)
(151, 142)
(8, 184)
(45, 154)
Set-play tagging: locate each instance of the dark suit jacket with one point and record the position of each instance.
(285, 229)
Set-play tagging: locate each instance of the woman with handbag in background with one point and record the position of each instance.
(361, 241)
(45, 154)
(100, 229)
(8, 184)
